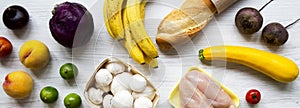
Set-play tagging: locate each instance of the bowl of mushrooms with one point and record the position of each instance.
(116, 84)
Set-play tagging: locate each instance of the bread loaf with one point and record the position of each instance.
(182, 24)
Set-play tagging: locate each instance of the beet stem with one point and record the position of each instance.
(292, 23)
(265, 5)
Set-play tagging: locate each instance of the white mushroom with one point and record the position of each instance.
(121, 82)
(107, 101)
(103, 77)
(115, 67)
(142, 102)
(138, 83)
(104, 88)
(95, 95)
(148, 92)
(122, 99)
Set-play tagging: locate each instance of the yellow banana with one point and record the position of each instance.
(120, 27)
(143, 4)
(131, 46)
(151, 61)
(106, 19)
(138, 30)
(113, 18)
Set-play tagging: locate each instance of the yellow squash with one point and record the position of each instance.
(174, 97)
(273, 65)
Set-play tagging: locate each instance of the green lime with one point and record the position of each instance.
(72, 100)
(49, 94)
(68, 71)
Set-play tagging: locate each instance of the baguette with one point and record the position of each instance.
(182, 24)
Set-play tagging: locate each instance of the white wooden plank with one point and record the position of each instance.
(173, 64)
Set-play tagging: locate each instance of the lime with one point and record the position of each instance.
(68, 71)
(72, 100)
(49, 94)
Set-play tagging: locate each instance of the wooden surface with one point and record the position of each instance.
(172, 64)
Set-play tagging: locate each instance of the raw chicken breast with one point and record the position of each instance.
(197, 90)
(192, 97)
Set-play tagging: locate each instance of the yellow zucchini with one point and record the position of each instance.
(273, 65)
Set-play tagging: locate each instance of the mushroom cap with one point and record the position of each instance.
(104, 88)
(138, 83)
(95, 95)
(121, 82)
(103, 77)
(107, 101)
(148, 92)
(143, 102)
(115, 68)
(122, 99)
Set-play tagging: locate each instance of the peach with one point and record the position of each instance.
(34, 54)
(18, 84)
(5, 47)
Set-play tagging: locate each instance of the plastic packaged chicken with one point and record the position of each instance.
(197, 89)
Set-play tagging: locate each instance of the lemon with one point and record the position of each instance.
(68, 71)
(72, 100)
(49, 94)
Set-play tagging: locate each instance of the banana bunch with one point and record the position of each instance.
(126, 26)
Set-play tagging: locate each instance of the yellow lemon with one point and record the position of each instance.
(18, 84)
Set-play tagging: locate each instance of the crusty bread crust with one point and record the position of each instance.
(182, 24)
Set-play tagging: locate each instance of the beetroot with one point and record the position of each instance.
(71, 24)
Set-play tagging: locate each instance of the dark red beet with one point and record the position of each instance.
(275, 34)
(248, 20)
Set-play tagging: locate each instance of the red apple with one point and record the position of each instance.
(5, 47)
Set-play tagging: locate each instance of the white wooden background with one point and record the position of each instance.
(171, 64)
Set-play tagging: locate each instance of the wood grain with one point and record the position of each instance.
(172, 64)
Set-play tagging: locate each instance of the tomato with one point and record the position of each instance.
(253, 96)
